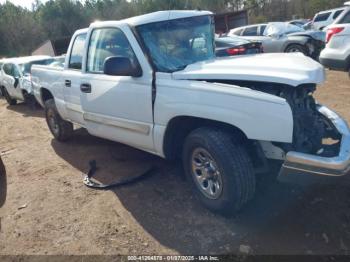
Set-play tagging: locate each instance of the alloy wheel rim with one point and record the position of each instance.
(206, 173)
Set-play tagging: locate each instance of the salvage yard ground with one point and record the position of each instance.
(49, 211)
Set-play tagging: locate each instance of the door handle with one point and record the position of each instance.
(68, 83)
(85, 88)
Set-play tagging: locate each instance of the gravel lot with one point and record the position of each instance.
(48, 210)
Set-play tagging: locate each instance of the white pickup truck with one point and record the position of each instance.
(143, 82)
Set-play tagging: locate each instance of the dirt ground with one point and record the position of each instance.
(48, 210)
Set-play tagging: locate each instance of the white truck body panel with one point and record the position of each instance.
(240, 107)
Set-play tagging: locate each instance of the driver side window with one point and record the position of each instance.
(104, 43)
(251, 31)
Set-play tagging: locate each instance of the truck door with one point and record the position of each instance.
(118, 108)
(71, 80)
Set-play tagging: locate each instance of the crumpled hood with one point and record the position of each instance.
(290, 69)
(318, 35)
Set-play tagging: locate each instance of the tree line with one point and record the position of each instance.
(22, 30)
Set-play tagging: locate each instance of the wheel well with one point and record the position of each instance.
(291, 44)
(46, 95)
(180, 127)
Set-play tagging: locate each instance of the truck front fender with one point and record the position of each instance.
(258, 115)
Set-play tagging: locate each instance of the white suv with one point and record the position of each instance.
(325, 18)
(336, 55)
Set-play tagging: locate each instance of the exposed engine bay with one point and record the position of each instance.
(311, 128)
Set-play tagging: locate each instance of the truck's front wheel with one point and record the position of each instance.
(219, 169)
(62, 130)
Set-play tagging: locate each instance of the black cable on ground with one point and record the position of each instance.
(120, 182)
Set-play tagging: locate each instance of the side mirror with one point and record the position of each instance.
(16, 81)
(120, 66)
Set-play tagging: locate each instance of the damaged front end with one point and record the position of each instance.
(315, 48)
(321, 138)
(301, 167)
(315, 42)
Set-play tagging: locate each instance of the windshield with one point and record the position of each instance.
(174, 44)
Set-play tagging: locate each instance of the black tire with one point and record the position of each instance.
(62, 130)
(8, 98)
(293, 48)
(234, 166)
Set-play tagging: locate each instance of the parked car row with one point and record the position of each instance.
(331, 46)
(16, 79)
(283, 37)
(154, 82)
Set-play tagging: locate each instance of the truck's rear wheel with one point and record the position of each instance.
(8, 98)
(220, 170)
(62, 130)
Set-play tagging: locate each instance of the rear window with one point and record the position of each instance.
(237, 32)
(220, 44)
(322, 17)
(337, 13)
(251, 31)
(345, 19)
(76, 57)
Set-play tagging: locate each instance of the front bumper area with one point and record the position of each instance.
(334, 64)
(300, 167)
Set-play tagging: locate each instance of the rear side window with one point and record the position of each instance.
(76, 56)
(238, 32)
(345, 19)
(322, 17)
(337, 13)
(251, 31)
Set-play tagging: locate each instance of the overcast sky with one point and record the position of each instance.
(23, 3)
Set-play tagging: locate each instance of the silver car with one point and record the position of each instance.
(283, 37)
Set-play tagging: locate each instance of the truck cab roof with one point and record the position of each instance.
(155, 17)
